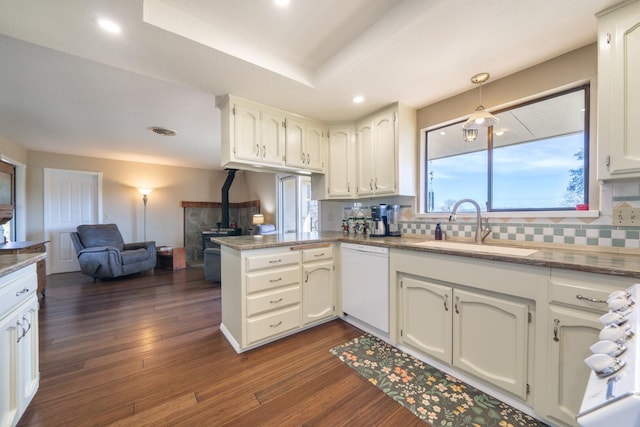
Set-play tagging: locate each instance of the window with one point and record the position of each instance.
(535, 158)
(298, 212)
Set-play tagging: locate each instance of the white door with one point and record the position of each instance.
(71, 198)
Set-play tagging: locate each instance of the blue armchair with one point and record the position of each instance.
(102, 252)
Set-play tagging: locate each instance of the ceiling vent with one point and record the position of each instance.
(163, 131)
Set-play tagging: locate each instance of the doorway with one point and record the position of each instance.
(298, 212)
(71, 198)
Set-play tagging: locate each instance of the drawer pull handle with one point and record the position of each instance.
(599, 301)
(556, 322)
(456, 305)
(276, 325)
(274, 261)
(446, 298)
(275, 280)
(319, 255)
(276, 301)
(22, 291)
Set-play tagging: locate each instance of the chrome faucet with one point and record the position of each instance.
(480, 232)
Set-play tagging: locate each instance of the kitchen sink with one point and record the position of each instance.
(474, 247)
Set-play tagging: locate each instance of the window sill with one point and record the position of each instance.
(516, 214)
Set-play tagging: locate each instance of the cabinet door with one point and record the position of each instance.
(272, 137)
(365, 155)
(425, 317)
(294, 144)
(385, 162)
(490, 337)
(9, 369)
(619, 93)
(28, 354)
(340, 167)
(314, 147)
(246, 132)
(317, 292)
(571, 333)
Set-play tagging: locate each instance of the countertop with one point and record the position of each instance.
(14, 262)
(619, 264)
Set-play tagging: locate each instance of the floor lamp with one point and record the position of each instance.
(145, 196)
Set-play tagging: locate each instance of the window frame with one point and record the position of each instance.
(424, 170)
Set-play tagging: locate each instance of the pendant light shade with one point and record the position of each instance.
(480, 118)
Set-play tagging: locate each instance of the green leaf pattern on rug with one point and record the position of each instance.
(432, 395)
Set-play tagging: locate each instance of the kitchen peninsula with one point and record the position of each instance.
(516, 325)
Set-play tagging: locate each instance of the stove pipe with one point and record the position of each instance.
(231, 174)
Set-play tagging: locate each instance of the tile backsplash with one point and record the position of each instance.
(595, 231)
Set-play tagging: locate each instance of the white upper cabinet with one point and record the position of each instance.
(246, 131)
(304, 144)
(386, 153)
(619, 92)
(375, 156)
(272, 137)
(342, 163)
(258, 137)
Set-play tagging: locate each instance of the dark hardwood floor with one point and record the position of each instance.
(147, 350)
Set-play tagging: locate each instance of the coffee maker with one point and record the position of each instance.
(393, 218)
(380, 226)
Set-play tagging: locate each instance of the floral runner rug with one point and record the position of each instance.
(432, 395)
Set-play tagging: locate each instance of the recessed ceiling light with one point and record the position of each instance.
(500, 132)
(281, 3)
(442, 132)
(358, 99)
(109, 26)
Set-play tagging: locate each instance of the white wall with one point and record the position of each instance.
(122, 203)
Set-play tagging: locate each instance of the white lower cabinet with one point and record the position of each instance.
(577, 301)
(270, 293)
(317, 285)
(19, 360)
(481, 334)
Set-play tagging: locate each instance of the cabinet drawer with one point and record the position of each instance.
(272, 300)
(585, 290)
(263, 281)
(273, 260)
(269, 325)
(317, 254)
(16, 288)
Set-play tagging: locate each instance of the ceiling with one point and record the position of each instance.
(66, 86)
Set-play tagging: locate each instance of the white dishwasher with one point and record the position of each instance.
(365, 285)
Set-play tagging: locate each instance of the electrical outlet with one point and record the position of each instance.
(625, 216)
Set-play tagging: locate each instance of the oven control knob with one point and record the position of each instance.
(619, 304)
(604, 365)
(615, 333)
(612, 318)
(609, 348)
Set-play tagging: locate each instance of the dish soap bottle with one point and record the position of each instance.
(438, 232)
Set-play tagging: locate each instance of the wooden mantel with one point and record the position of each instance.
(253, 203)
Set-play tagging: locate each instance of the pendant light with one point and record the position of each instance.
(480, 118)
